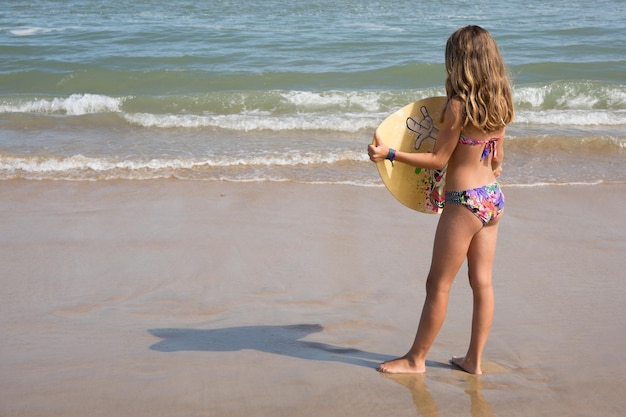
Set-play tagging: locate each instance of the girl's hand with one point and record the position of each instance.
(377, 151)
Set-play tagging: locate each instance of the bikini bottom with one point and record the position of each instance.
(486, 202)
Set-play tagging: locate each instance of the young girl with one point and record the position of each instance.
(470, 141)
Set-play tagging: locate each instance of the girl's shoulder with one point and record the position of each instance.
(454, 111)
(456, 105)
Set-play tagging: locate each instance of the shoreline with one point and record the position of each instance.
(245, 299)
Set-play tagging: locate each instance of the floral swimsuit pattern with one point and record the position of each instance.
(486, 202)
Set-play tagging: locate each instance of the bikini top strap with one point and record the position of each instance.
(490, 145)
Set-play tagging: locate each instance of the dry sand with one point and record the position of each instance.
(181, 298)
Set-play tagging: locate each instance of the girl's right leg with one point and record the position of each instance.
(455, 231)
(480, 259)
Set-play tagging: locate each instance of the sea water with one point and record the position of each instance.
(293, 90)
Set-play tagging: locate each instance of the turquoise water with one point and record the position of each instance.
(292, 91)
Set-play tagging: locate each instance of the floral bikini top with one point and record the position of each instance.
(490, 145)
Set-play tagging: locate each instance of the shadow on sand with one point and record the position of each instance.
(279, 340)
(286, 341)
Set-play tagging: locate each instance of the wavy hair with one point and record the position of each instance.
(477, 76)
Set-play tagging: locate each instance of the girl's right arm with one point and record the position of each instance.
(446, 142)
(498, 157)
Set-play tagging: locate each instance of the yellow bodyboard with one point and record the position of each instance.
(414, 128)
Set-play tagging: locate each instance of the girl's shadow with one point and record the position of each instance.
(280, 340)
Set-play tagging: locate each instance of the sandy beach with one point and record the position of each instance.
(191, 298)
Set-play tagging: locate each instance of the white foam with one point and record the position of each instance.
(534, 96)
(29, 31)
(354, 122)
(77, 163)
(561, 104)
(616, 96)
(369, 101)
(74, 105)
(260, 121)
(572, 95)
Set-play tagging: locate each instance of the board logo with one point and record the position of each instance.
(425, 130)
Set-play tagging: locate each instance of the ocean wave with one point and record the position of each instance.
(571, 95)
(580, 104)
(334, 167)
(74, 163)
(369, 101)
(260, 121)
(346, 122)
(29, 31)
(578, 118)
(74, 105)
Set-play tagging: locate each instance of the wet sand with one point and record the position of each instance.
(218, 299)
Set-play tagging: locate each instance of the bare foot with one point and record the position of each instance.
(402, 365)
(466, 365)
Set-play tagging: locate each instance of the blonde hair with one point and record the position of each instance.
(477, 76)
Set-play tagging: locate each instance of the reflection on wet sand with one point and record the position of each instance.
(425, 403)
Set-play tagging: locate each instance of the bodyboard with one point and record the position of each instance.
(414, 128)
